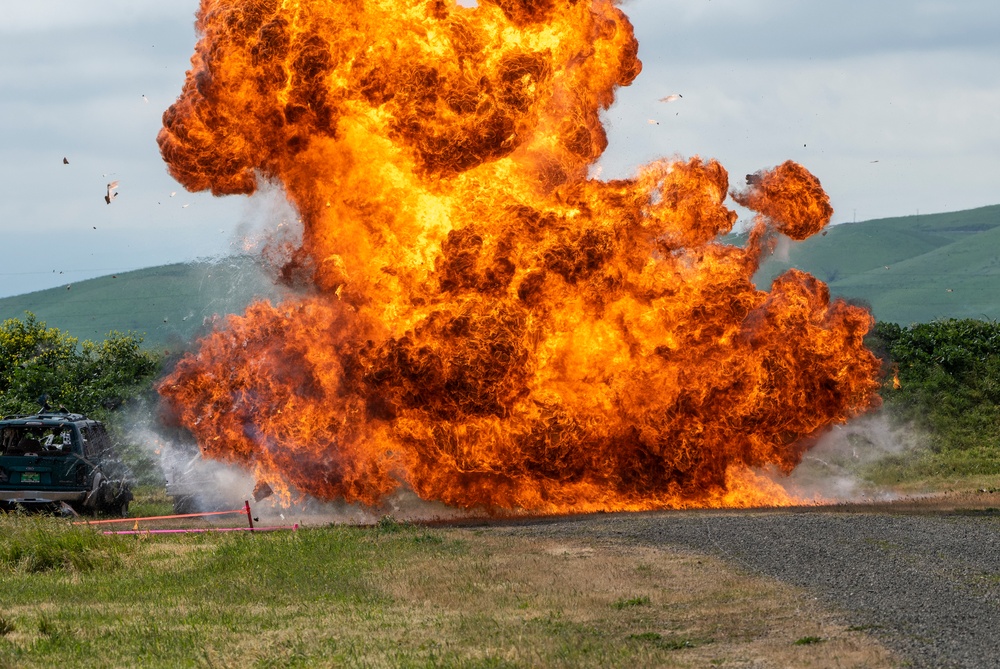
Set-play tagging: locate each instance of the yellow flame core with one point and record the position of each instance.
(485, 324)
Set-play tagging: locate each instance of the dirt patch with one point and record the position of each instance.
(658, 607)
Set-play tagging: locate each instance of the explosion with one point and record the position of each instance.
(478, 320)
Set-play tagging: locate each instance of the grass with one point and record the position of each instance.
(675, 643)
(35, 543)
(925, 470)
(150, 500)
(392, 595)
(630, 602)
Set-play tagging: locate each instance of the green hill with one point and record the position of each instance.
(167, 305)
(913, 269)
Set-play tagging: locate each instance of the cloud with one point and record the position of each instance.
(741, 30)
(42, 16)
(922, 116)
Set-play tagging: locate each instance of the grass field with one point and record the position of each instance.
(392, 595)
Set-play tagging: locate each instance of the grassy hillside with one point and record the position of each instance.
(167, 305)
(913, 269)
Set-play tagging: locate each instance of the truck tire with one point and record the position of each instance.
(184, 504)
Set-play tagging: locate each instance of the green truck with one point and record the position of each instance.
(62, 460)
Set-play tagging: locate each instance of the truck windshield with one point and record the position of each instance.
(42, 440)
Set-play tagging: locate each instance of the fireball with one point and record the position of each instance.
(478, 321)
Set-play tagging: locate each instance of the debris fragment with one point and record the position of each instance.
(112, 193)
(672, 97)
(65, 160)
(261, 491)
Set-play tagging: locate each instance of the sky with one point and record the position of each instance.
(893, 105)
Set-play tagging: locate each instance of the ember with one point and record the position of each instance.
(483, 323)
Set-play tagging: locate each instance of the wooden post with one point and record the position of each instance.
(246, 505)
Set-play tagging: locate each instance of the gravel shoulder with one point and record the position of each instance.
(920, 575)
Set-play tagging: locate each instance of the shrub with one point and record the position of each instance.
(948, 376)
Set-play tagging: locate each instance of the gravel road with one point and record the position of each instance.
(926, 583)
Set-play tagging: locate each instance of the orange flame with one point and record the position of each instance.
(483, 323)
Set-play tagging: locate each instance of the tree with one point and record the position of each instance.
(89, 378)
(948, 376)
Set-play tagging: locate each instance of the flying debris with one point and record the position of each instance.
(112, 193)
(262, 490)
(145, 99)
(653, 122)
(673, 97)
(65, 160)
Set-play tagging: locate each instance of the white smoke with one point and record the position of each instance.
(199, 485)
(832, 470)
(403, 505)
(782, 249)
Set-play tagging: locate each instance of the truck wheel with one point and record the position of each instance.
(92, 502)
(122, 510)
(115, 497)
(183, 504)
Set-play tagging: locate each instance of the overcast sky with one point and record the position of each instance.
(893, 104)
